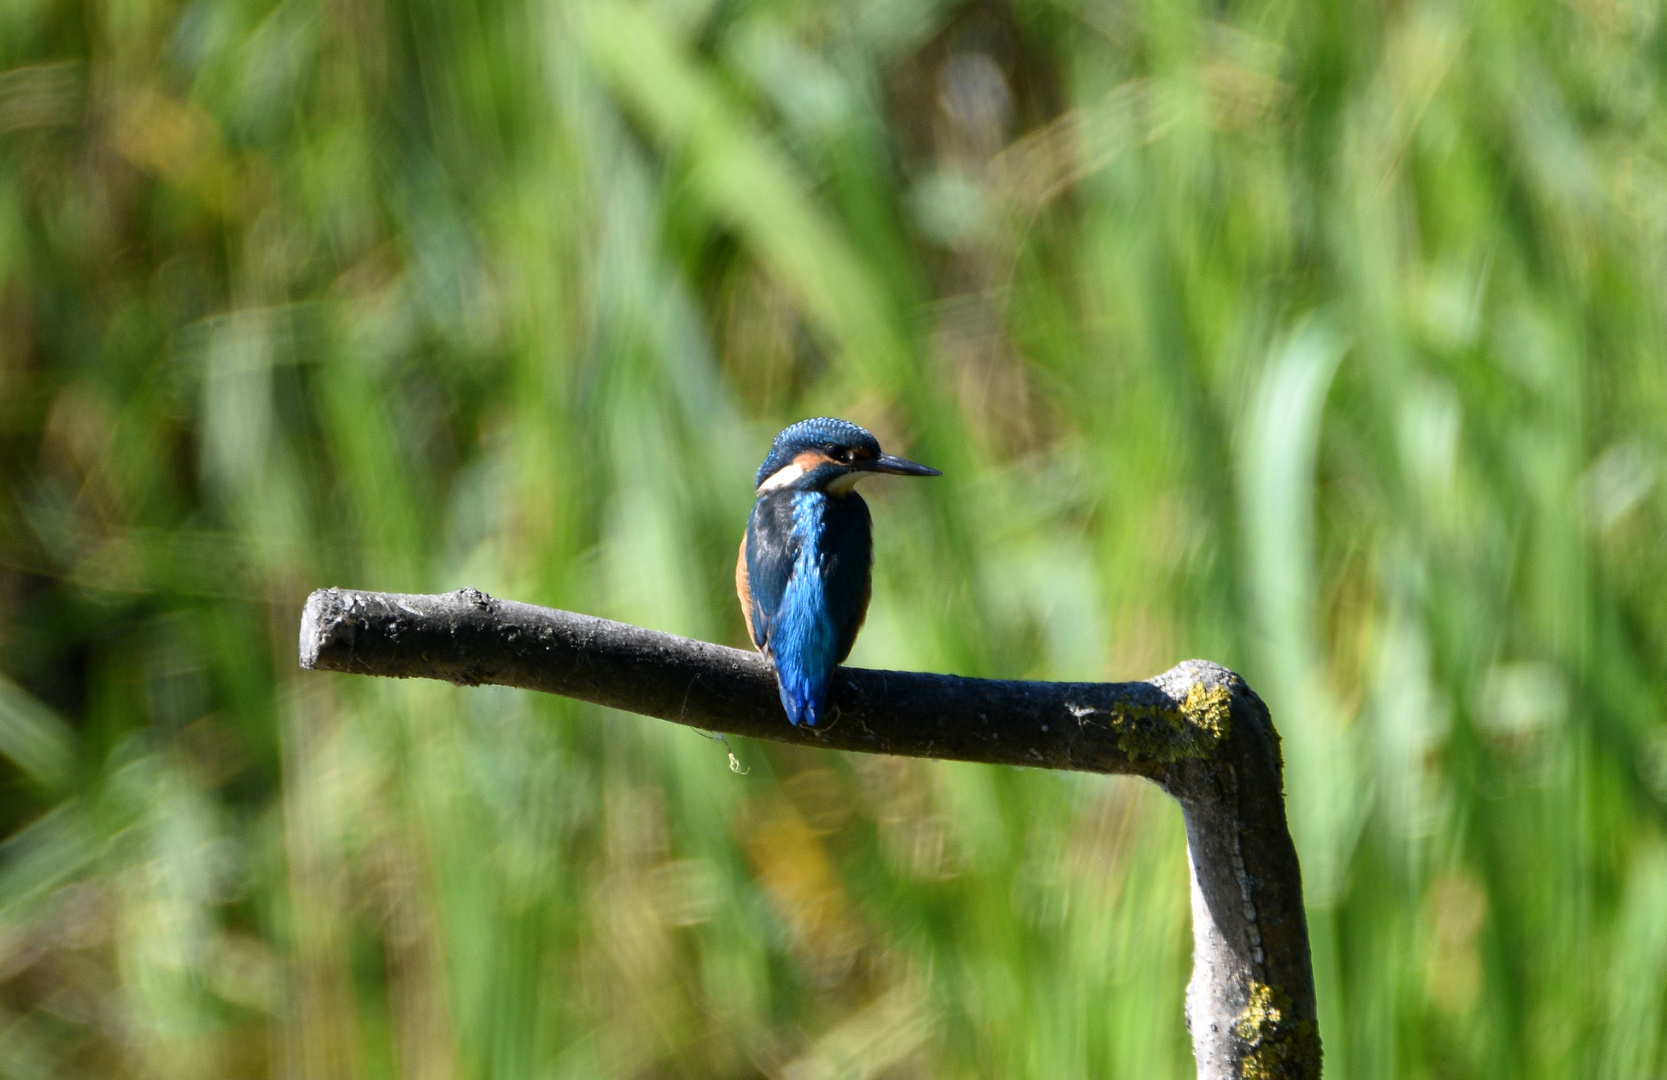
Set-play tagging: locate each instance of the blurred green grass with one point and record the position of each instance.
(1324, 341)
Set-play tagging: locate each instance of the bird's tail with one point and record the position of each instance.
(803, 697)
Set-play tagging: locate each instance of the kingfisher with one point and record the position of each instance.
(804, 573)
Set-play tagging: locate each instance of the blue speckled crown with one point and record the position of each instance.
(809, 435)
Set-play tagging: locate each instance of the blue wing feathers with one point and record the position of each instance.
(807, 559)
(770, 552)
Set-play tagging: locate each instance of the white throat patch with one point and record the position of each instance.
(844, 483)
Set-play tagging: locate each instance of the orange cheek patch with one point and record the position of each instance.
(799, 466)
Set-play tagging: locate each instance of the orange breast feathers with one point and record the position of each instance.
(743, 589)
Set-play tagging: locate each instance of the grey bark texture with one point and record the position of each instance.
(1197, 731)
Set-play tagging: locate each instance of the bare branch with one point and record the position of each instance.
(1197, 731)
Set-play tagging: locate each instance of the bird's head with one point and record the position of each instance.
(825, 454)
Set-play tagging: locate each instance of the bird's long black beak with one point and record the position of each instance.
(891, 463)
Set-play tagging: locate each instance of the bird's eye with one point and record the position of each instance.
(841, 454)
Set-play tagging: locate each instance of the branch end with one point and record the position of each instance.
(321, 620)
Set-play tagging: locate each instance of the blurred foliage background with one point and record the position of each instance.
(1322, 340)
